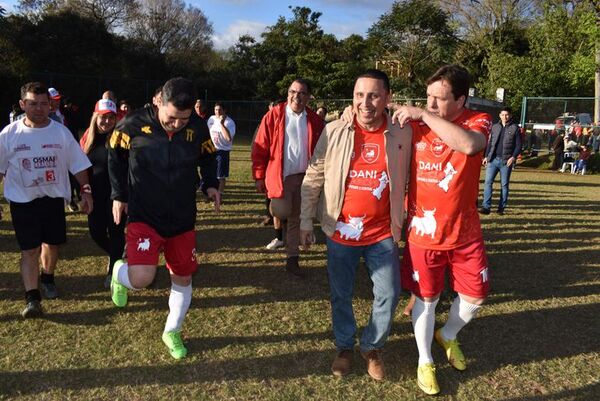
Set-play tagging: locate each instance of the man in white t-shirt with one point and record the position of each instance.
(222, 131)
(36, 156)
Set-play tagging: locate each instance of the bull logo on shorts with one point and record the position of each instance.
(143, 244)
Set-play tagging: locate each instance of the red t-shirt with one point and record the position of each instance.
(365, 216)
(443, 188)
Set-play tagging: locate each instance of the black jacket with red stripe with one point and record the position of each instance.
(157, 174)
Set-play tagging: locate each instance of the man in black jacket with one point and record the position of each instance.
(153, 158)
(500, 155)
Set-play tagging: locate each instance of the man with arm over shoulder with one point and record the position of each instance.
(357, 180)
(444, 232)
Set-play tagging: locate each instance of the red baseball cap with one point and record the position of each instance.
(105, 106)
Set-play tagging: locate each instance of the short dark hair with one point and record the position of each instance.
(221, 105)
(457, 76)
(304, 82)
(37, 88)
(376, 74)
(508, 109)
(180, 92)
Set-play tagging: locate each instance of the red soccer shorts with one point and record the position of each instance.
(144, 245)
(422, 270)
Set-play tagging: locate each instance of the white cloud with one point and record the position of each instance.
(236, 29)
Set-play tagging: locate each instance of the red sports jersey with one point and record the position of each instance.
(365, 216)
(443, 189)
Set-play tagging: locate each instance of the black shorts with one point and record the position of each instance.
(222, 164)
(40, 221)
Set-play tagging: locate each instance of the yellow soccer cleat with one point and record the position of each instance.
(453, 352)
(426, 379)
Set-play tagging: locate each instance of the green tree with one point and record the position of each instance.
(411, 41)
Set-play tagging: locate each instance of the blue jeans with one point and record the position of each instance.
(490, 175)
(382, 262)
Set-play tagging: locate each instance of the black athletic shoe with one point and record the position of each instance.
(292, 266)
(500, 212)
(484, 210)
(33, 309)
(49, 290)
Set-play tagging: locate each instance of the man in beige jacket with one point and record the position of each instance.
(356, 179)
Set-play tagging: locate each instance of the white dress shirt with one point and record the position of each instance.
(295, 145)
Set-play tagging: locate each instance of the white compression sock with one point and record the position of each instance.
(461, 313)
(423, 318)
(179, 303)
(123, 275)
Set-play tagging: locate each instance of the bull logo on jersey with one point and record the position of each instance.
(370, 152)
(143, 244)
(438, 147)
(425, 225)
(146, 129)
(352, 229)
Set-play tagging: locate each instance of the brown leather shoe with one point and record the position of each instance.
(375, 366)
(292, 266)
(342, 363)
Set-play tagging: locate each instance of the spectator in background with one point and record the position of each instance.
(558, 146)
(222, 131)
(500, 156)
(123, 109)
(596, 137)
(55, 106)
(110, 237)
(284, 142)
(15, 111)
(581, 163)
(36, 154)
(322, 112)
(109, 95)
(200, 109)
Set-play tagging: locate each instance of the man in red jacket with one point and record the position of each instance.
(284, 143)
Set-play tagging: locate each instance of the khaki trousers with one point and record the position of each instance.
(288, 209)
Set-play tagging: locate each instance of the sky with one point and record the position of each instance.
(232, 18)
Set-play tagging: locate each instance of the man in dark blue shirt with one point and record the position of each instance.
(500, 156)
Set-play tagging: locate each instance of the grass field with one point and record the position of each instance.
(257, 333)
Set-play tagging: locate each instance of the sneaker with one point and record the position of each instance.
(342, 363)
(49, 290)
(500, 212)
(276, 243)
(172, 340)
(118, 291)
(292, 266)
(426, 379)
(453, 352)
(484, 210)
(33, 309)
(375, 366)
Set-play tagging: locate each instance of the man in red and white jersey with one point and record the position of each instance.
(443, 226)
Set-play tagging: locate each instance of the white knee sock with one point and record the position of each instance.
(423, 318)
(123, 275)
(179, 303)
(461, 313)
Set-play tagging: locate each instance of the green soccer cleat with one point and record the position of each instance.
(426, 379)
(118, 291)
(453, 352)
(172, 340)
